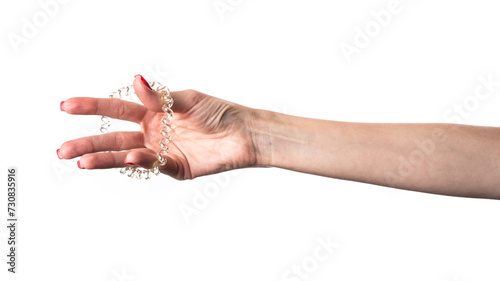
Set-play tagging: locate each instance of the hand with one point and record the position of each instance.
(209, 135)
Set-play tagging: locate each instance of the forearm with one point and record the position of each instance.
(456, 160)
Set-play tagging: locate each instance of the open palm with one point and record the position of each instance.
(209, 135)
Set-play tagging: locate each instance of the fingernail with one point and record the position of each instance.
(79, 165)
(61, 106)
(58, 155)
(125, 161)
(144, 81)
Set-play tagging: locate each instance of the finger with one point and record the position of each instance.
(143, 158)
(105, 160)
(148, 96)
(171, 168)
(114, 108)
(115, 141)
(183, 100)
(102, 160)
(146, 159)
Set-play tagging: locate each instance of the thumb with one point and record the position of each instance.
(150, 98)
(183, 100)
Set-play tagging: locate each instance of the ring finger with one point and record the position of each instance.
(114, 141)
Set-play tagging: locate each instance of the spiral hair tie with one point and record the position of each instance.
(161, 155)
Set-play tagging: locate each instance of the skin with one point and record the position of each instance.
(211, 135)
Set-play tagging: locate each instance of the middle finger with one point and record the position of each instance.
(111, 107)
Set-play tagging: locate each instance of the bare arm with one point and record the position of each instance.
(210, 135)
(448, 159)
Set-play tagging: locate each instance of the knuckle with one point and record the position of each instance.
(120, 109)
(96, 105)
(119, 141)
(87, 144)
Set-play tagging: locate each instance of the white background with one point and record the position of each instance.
(278, 55)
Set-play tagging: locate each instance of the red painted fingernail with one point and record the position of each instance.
(125, 161)
(79, 165)
(61, 106)
(58, 155)
(144, 81)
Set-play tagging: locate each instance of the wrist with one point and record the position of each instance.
(260, 133)
(274, 135)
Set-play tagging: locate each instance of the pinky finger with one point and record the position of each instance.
(146, 159)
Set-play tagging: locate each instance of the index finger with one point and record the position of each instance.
(111, 107)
